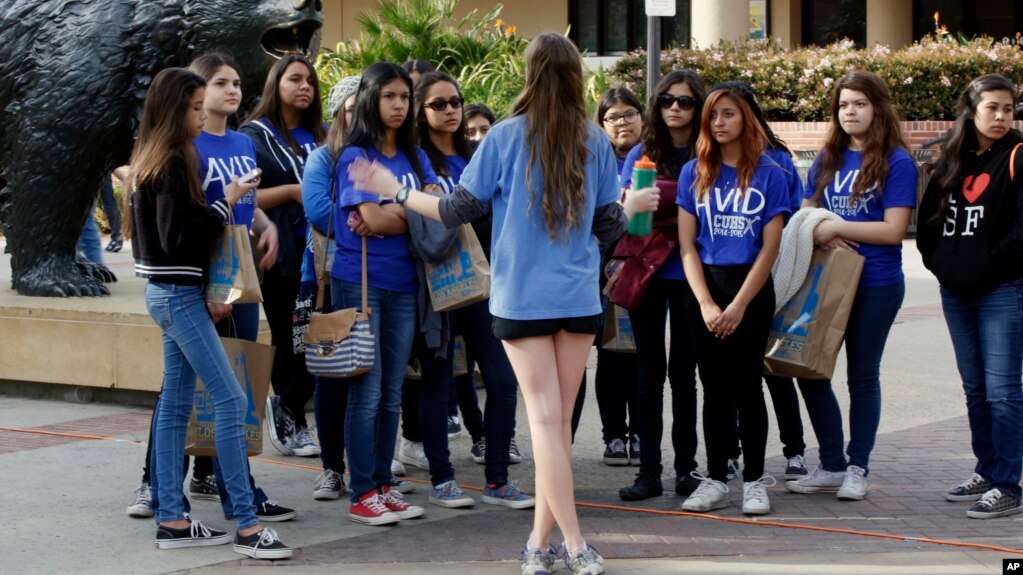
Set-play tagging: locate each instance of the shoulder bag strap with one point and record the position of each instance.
(321, 279)
(1012, 163)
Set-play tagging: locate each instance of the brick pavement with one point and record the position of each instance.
(135, 422)
(909, 472)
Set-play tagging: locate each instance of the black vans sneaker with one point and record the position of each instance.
(195, 535)
(263, 544)
(270, 511)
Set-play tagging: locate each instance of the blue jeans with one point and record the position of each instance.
(873, 312)
(89, 241)
(987, 335)
(374, 398)
(330, 402)
(191, 348)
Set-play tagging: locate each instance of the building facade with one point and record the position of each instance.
(610, 27)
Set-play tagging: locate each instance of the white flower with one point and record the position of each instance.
(945, 81)
(828, 82)
(908, 80)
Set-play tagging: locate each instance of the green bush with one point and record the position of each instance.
(478, 49)
(925, 78)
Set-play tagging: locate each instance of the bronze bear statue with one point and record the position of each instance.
(73, 76)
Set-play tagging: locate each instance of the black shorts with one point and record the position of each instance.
(505, 329)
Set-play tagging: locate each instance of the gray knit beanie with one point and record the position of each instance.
(344, 89)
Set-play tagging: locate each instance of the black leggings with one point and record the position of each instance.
(731, 370)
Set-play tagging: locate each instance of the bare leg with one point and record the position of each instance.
(549, 370)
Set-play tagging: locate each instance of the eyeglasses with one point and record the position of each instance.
(684, 102)
(629, 117)
(441, 105)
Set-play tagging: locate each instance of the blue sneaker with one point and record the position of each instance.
(508, 495)
(539, 561)
(449, 494)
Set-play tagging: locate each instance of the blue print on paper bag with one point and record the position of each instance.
(788, 336)
(223, 268)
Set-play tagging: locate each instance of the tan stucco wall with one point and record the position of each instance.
(528, 16)
(889, 23)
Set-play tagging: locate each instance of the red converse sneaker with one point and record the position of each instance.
(370, 510)
(397, 505)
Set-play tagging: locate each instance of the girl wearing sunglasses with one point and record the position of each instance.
(732, 203)
(652, 281)
(864, 175)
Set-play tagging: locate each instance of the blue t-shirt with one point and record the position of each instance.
(456, 165)
(389, 260)
(792, 179)
(672, 268)
(315, 202)
(883, 264)
(533, 276)
(221, 159)
(729, 225)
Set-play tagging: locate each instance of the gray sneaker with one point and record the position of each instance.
(539, 561)
(795, 468)
(995, 503)
(143, 506)
(301, 443)
(586, 561)
(329, 485)
(279, 425)
(970, 490)
(206, 489)
(514, 455)
(733, 467)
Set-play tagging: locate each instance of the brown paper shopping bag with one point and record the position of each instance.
(251, 363)
(807, 332)
(617, 330)
(233, 277)
(463, 278)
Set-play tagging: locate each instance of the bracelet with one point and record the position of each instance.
(402, 195)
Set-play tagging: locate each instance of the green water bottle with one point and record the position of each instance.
(644, 172)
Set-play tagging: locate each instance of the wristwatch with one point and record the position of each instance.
(402, 195)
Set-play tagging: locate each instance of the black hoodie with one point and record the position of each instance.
(979, 243)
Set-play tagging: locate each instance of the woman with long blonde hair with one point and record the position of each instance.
(550, 177)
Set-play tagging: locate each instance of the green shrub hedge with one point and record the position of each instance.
(925, 78)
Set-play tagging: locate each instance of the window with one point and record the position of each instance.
(602, 27)
(829, 21)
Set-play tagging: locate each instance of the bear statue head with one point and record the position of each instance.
(255, 32)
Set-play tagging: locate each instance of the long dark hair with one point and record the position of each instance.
(556, 130)
(657, 143)
(367, 129)
(883, 136)
(948, 168)
(614, 96)
(437, 159)
(164, 135)
(270, 103)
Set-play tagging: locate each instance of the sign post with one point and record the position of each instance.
(655, 9)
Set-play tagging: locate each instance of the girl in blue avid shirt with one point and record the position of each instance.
(652, 282)
(971, 238)
(864, 175)
(732, 203)
(381, 131)
(550, 177)
(285, 127)
(174, 232)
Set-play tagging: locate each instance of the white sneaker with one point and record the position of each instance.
(301, 443)
(854, 487)
(819, 481)
(754, 496)
(397, 469)
(412, 453)
(329, 485)
(708, 496)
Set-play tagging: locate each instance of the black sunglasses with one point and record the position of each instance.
(684, 102)
(441, 105)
